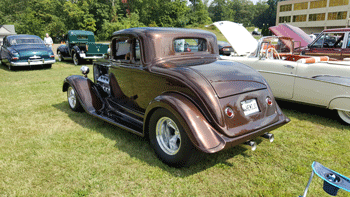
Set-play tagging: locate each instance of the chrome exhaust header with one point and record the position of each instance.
(252, 144)
(269, 136)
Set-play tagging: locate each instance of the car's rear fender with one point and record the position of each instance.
(198, 129)
(86, 90)
(340, 103)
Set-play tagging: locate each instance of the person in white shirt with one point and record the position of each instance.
(48, 41)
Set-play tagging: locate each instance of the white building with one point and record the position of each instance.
(314, 15)
(6, 30)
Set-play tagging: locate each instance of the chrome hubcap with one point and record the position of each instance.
(72, 99)
(168, 136)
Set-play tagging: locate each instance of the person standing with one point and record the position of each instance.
(48, 41)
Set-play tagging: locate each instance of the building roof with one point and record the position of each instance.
(7, 30)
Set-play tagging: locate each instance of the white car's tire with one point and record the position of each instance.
(344, 115)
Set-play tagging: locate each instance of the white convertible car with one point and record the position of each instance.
(318, 81)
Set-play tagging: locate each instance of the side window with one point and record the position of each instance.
(126, 50)
(190, 45)
(348, 44)
(319, 42)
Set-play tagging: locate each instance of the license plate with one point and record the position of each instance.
(250, 107)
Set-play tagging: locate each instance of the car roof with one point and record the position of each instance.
(336, 30)
(164, 30)
(22, 36)
(80, 32)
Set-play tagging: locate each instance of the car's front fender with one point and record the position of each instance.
(198, 129)
(87, 94)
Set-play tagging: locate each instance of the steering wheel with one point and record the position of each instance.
(274, 52)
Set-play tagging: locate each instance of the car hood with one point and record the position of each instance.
(296, 33)
(238, 36)
(31, 49)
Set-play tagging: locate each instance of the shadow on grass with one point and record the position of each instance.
(22, 68)
(317, 115)
(145, 152)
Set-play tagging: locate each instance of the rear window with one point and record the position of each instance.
(190, 45)
(82, 37)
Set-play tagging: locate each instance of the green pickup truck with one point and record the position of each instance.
(80, 46)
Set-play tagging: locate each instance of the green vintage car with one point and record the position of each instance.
(80, 46)
(25, 50)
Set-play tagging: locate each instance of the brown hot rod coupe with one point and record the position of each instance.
(169, 85)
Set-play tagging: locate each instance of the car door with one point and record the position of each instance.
(328, 44)
(279, 74)
(346, 49)
(123, 69)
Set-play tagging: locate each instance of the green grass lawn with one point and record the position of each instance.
(48, 150)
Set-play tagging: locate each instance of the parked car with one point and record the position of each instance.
(319, 81)
(256, 32)
(25, 50)
(186, 102)
(334, 43)
(225, 48)
(80, 46)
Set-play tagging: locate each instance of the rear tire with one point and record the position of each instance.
(170, 141)
(73, 99)
(344, 116)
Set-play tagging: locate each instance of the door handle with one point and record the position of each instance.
(289, 66)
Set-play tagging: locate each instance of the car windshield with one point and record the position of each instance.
(19, 41)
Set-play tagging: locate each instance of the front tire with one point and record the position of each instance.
(76, 59)
(73, 100)
(170, 141)
(60, 57)
(344, 115)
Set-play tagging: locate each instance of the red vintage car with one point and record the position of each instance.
(168, 85)
(334, 43)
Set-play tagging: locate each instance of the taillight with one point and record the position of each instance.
(14, 58)
(269, 101)
(87, 47)
(229, 112)
(52, 55)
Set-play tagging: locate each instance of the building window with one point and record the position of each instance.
(286, 8)
(318, 4)
(299, 18)
(338, 2)
(283, 19)
(301, 6)
(337, 15)
(317, 17)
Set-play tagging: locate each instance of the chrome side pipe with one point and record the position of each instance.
(252, 144)
(269, 136)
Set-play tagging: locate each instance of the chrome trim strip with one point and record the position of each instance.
(29, 63)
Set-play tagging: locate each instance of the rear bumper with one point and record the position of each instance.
(31, 62)
(231, 142)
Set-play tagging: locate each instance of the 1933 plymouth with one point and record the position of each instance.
(320, 81)
(80, 46)
(25, 50)
(167, 84)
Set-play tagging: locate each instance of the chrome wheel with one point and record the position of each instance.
(345, 116)
(72, 98)
(59, 55)
(75, 59)
(168, 136)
